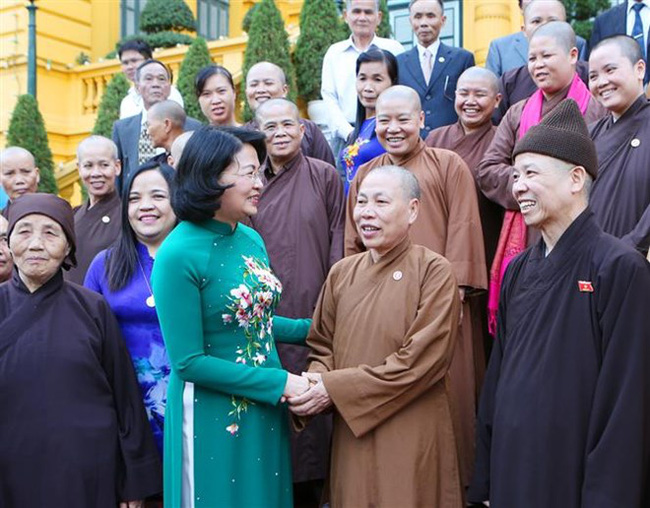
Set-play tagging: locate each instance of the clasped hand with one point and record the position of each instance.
(312, 401)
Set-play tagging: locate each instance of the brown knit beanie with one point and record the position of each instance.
(562, 134)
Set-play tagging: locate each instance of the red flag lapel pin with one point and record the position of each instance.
(585, 286)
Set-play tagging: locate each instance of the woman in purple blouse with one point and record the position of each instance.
(122, 275)
(376, 71)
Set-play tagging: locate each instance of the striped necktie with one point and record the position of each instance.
(637, 29)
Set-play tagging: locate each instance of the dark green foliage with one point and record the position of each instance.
(319, 27)
(581, 14)
(109, 107)
(383, 30)
(27, 129)
(248, 18)
(166, 15)
(167, 39)
(196, 58)
(267, 42)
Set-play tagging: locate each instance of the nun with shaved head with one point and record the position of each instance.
(382, 341)
(73, 430)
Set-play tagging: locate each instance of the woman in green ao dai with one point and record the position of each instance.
(226, 427)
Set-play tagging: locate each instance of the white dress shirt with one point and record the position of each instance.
(338, 82)
(132, 104)
(645, 18)
(433, 49)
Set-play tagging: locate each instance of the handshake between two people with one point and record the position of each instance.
(306, 394)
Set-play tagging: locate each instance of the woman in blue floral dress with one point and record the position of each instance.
(376, 71)
(122, 273)
(226, 430)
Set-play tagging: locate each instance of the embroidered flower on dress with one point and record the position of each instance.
(251, 307)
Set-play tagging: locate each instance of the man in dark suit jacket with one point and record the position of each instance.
(432, 68)
(134, 144)
(614, 21)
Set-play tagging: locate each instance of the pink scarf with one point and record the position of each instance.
(512, 239)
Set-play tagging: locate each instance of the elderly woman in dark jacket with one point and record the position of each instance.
(73, 430)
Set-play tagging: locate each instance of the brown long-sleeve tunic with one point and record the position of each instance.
(449, 224)
(384, 343)
(96, 229)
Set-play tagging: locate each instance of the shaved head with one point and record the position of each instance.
(274, 104)
(93, 141)
(177, 148)
(401, 93)
(560, 31)
(17, 151)
(267, 69)
(406, 180)
(477, 73)
(168, 109)
(18, 172)
(629, 48)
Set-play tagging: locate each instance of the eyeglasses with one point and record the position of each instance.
(252, 176)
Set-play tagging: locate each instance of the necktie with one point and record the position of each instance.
(427, 66)
(637, 29)
(145, 146)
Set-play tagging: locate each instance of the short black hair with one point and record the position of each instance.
(440, 2)
(252, 137)
(197, 189)
(374, 55)
(136, 45)
(206, 73)
(150, 61)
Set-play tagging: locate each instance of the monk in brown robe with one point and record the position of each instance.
(517, 84)
(449, 225)
(620, 197)
(96, 222)
(300, 216)
(552, 63)
(477, 96)
(265, 81)
(382, 340)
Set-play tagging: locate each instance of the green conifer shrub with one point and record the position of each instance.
(267, 42)
(319, 29)
(27, 129)
(166, 15)
(109, 106)
(196, 58)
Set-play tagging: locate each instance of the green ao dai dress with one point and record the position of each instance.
(226, 432)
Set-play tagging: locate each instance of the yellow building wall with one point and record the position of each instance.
(484, 20)
(69, 94)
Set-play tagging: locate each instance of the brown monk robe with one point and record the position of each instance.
(98, 221)
(449, 225)
(554, 80)
(382, 339)
(300, 217)
(477, 96)
(265, 81)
